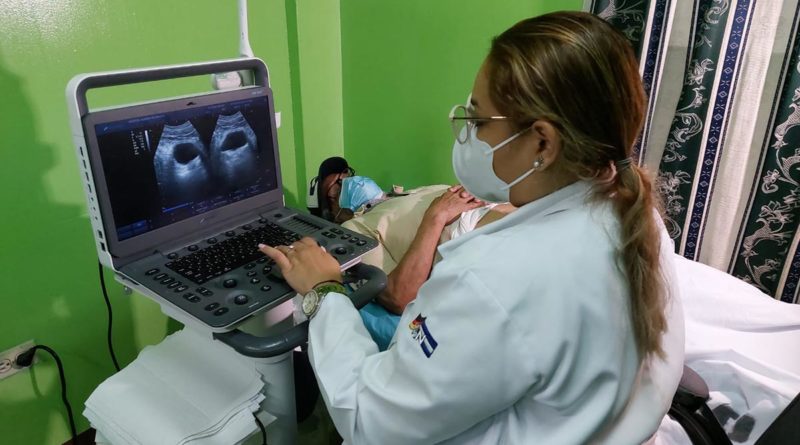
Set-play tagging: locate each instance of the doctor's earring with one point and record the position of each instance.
(537, 164)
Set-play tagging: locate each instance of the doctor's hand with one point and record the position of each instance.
(304, 264)
(448, 207)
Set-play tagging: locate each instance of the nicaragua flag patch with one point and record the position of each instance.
(421, 334)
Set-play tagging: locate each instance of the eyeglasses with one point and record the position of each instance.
(464, 123)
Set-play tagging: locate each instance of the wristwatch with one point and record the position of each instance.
(313, 299)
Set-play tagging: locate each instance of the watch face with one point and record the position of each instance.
(310, 301)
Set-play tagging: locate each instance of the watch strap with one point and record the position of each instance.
(324, 288)
(330, 286)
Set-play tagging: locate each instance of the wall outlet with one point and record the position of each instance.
(7, 366)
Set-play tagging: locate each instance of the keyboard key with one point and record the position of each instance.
(152, 271)
(234, 251)
(211, 306)
(159, 276)
(181, 288)
(221, 311)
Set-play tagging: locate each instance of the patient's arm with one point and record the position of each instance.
(415, 267)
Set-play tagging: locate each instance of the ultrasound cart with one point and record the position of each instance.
(179, 193)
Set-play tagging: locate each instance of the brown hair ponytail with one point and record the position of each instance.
(633, 200)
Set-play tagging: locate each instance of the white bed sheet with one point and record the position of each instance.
(743, 343)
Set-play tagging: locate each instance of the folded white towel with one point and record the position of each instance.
(186, 389)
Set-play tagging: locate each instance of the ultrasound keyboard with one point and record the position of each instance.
(232, 252)
(224, 278)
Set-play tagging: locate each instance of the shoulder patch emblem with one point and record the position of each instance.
(421, 334)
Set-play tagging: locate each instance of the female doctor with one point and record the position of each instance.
(557, 324)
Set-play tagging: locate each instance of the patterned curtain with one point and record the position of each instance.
(723, 78)
(633, 18)
(766, 253)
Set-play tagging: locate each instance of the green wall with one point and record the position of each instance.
(371, 80)
(320, 71)
(315, 57)
(405, 63)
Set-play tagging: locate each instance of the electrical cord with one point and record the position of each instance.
(263, 430)
(25, 359)
(110, 319)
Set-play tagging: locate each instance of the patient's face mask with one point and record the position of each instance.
(472, 164)
(357, 191)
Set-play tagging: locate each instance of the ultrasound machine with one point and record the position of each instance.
(180, 192)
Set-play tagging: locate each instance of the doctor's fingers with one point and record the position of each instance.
(310, 250)
(300, 251)
(278, 255)
(311, 242)
(307, 241)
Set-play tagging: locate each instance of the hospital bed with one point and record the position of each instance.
(740, 343)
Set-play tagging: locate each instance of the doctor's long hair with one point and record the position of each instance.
(580, 74)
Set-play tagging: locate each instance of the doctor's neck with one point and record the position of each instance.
(540, 184)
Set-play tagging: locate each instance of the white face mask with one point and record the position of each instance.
(472, 164)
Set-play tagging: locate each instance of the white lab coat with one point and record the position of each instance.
(526, 338)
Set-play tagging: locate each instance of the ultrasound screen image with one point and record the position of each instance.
(164, 168)
(234, 151)
(181, 165)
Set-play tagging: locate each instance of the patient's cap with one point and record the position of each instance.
(316, 199)
(357, 191)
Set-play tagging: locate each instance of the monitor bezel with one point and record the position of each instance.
(195, 227)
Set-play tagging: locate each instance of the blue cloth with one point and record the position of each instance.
(380, 323)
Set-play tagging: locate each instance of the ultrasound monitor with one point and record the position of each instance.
(181, 191)
(174, 163)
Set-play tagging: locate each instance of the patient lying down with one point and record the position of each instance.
(453, 213)
(409, 229)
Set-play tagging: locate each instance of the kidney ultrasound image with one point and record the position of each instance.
(187, 169)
